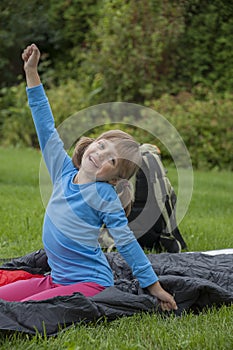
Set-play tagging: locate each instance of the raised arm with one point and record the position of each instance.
(31, 57)
(51, 145)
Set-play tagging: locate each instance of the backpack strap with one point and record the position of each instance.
(156, 169)
(157, 176)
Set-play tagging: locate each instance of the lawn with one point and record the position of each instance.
(207, 225)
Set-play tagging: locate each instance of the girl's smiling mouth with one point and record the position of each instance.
(93, 161)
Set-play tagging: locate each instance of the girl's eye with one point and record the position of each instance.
(101, 145)
(113, 161)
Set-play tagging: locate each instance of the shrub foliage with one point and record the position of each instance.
(172, 56)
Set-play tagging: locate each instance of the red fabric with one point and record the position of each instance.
(9, 276)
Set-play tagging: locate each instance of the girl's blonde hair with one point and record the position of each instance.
(128, 163)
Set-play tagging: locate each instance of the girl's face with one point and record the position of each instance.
(100, 161)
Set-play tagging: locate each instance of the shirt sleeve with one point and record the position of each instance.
(139, 263)
(126, 243)
(50, 143)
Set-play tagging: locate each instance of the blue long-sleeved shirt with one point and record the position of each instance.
(75, 214)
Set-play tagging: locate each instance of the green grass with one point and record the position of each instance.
(206, 226)
(208, 222)
(21, 209)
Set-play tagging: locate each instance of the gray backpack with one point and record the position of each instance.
(153, 214)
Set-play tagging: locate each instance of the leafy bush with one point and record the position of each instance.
(204, 48)
(16, 125)
(132, 50)
(206, 127)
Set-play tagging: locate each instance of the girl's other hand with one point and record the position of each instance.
(167, 302)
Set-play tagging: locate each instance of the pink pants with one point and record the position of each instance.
(44, 288)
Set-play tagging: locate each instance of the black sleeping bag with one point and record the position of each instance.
(196, 280)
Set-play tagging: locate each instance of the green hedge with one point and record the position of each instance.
(205, 125)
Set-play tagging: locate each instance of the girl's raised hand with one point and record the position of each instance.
(31, 57)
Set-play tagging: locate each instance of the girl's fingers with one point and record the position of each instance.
(28, 52)
(168, 306)
(163, 306)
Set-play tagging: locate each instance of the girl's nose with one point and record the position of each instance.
(101, 154)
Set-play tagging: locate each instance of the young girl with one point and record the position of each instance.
(83, 199)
